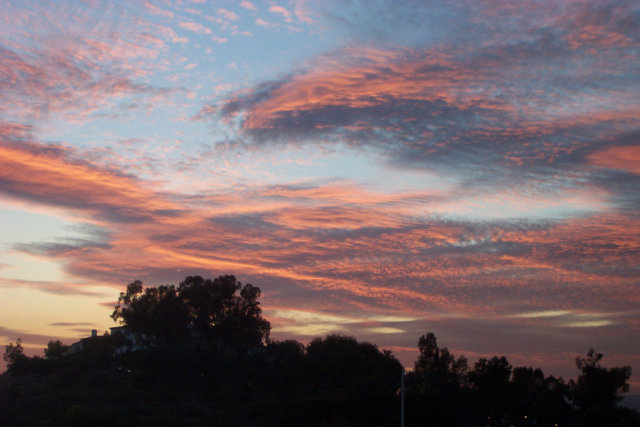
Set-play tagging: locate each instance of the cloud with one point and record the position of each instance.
(194, 27)
(98, 239)
(603, 24)
(49, 174)
(89, 65)
(279, 10)
(227, 14)
(247, 5)
(261, 22)
(302, 13)
(429, 103)
(623, 158)
(71, 324)
(155, 10)
(27, 337)
(51, 287)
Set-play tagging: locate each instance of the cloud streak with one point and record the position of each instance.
(47, 174)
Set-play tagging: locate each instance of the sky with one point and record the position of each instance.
(380, 169)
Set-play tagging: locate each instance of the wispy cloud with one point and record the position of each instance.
(625, 158)
(227, 14)
(87, 68)
(48, 174)
(158, 11)
(51, 287)
(195, 27)
(279, 10)
(71, 324)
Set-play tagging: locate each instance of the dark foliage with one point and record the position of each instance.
(597, 389)
(239, 378)
(285, 384)
(55, 350)
(221, 311)
(15, 357)
(437, 386)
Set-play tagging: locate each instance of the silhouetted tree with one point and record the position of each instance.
(541, 399)
(354, 382)
(438, 367)
(435, 387)
(490, 380)
(15, 357)
(597, 390)
(55, 349)
(285, 363)
(220, 311)
(153, 311)
(224, 311)
(334, 380)
(342, 359)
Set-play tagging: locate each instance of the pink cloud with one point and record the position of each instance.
(623, 158)
(247, 5)
(49, 174)
(155, 10)
(302, 13)
(383, 74)
(169, 34)
(593, 24)
(227, 14)
(195, 27)
(87, 67)
(279, 10)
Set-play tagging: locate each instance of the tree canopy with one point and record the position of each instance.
(55, 349)
(438, 367)
(221, 312)
(598, 389)
(14, 355)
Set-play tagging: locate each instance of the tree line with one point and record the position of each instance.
(207, 359)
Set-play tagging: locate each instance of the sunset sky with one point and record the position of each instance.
(378, 168)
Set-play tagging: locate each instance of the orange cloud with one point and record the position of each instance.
(45, 174)
(623, 158)
(384, 74)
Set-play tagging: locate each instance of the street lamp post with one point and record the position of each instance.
(402, 397)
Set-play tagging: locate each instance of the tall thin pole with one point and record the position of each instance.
(402, 398)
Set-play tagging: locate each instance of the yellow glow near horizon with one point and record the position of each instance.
(45, 309)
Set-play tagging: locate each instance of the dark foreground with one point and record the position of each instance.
(335, 381)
